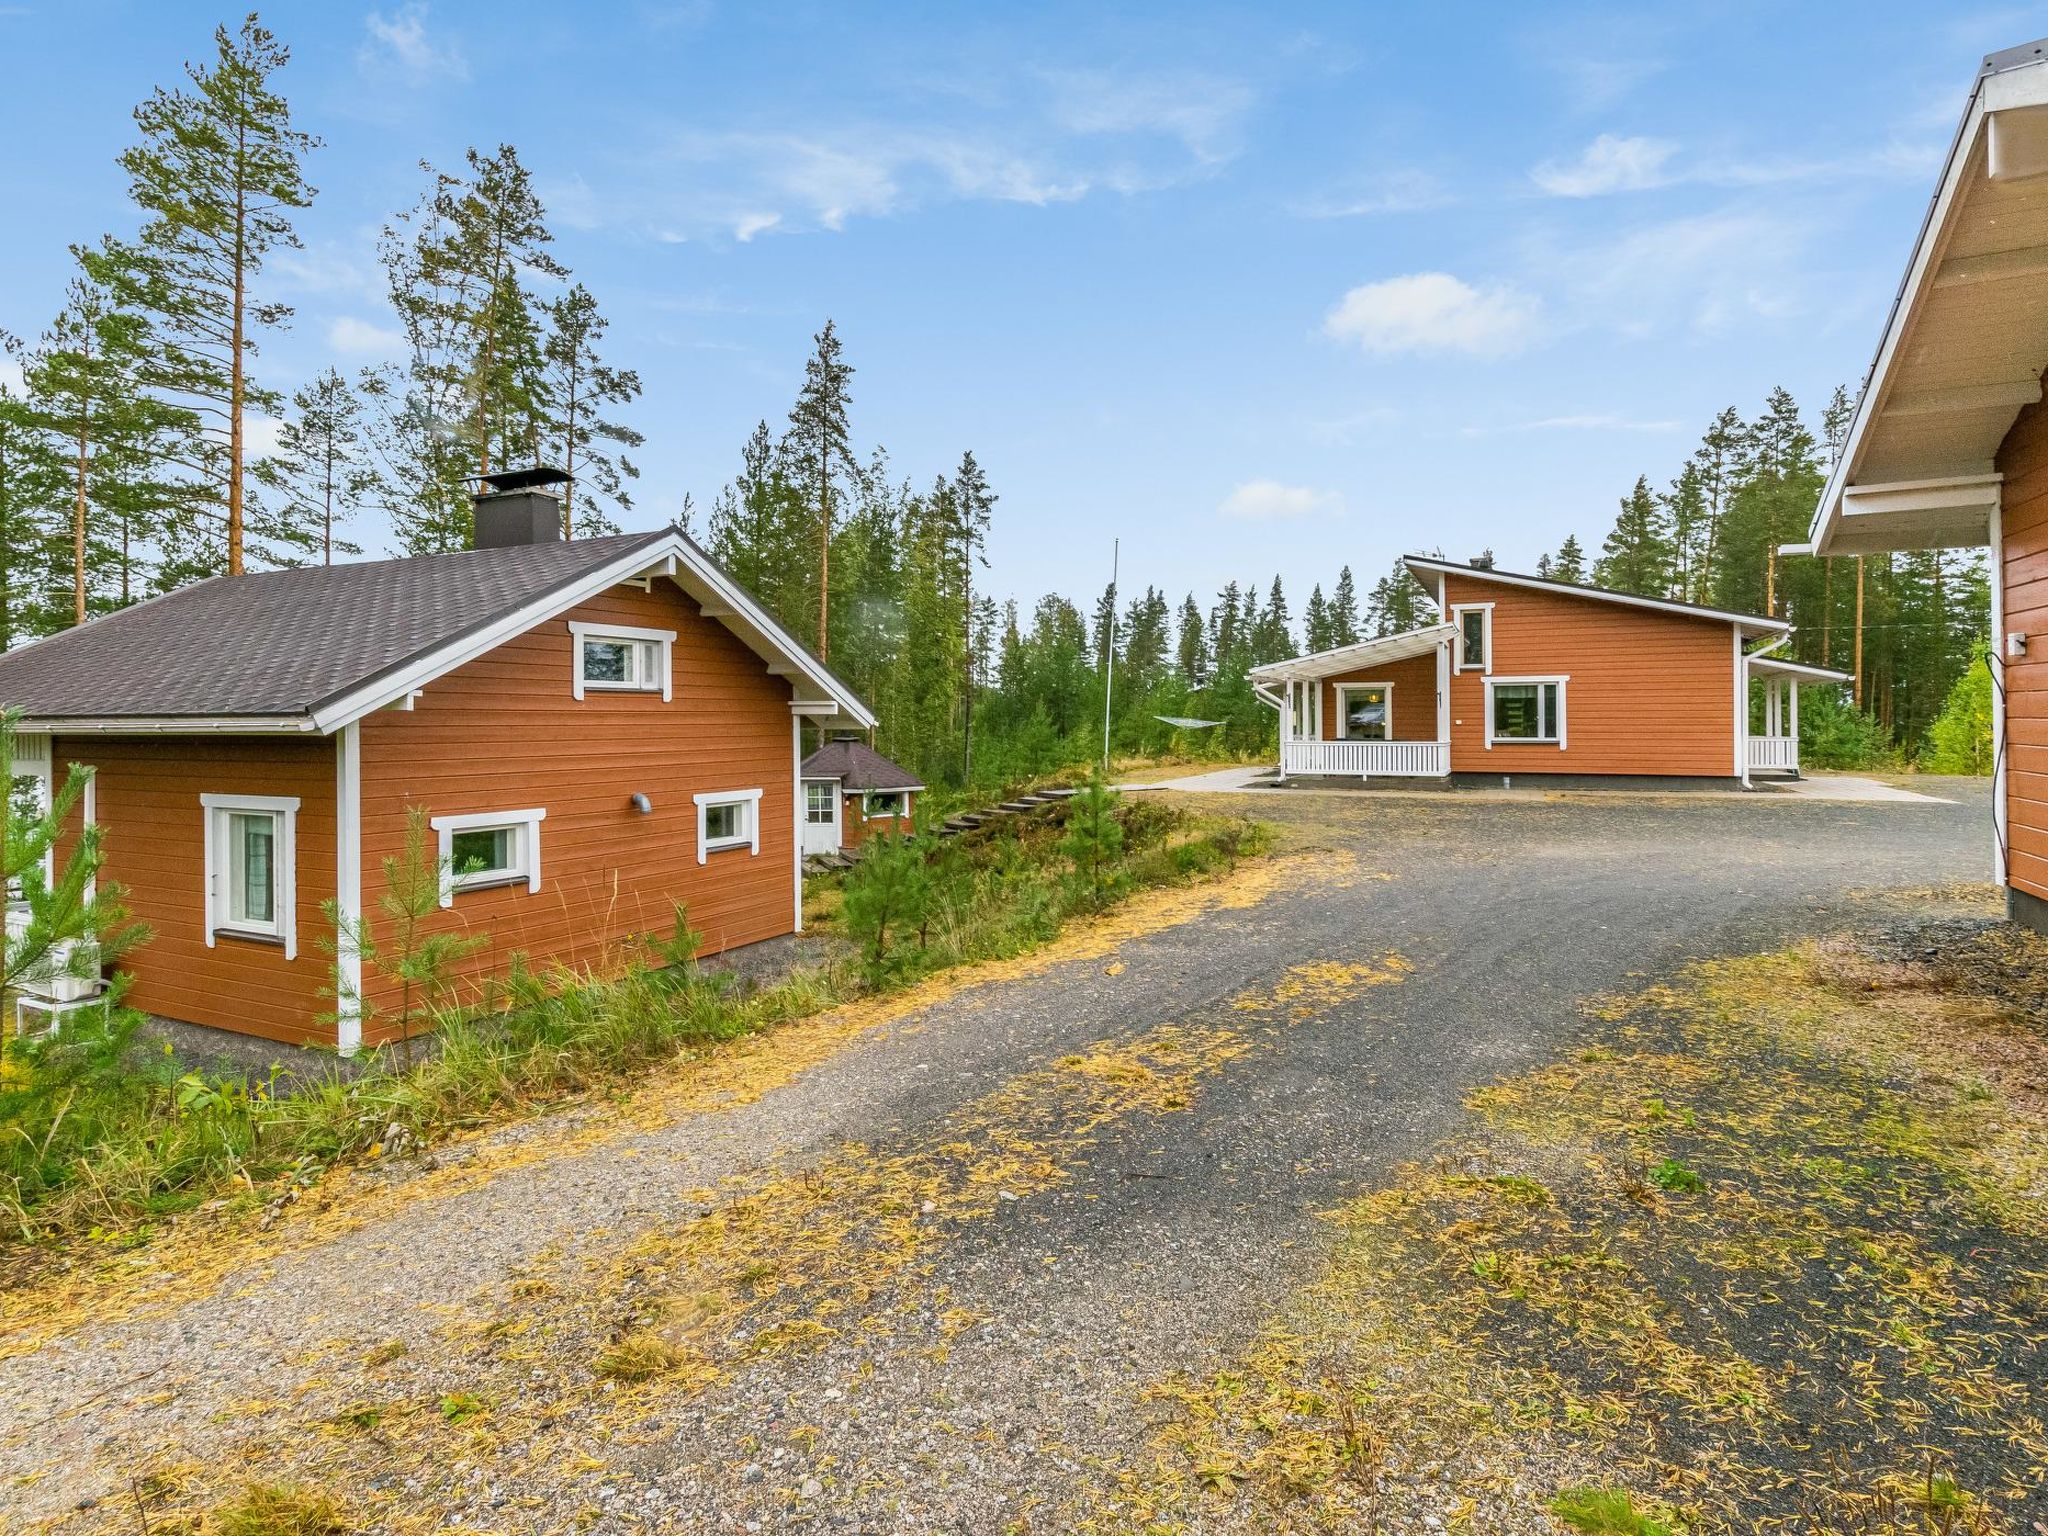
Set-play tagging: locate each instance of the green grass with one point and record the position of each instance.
(1606, 1512)
(100, 1139)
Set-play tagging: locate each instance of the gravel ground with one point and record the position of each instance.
(916, 1286)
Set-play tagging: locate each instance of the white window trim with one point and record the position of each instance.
(751, 839)
(1563, 713)
(1344, 709)
(34, 758)
(286, 809)
(1458, 662)
(528, 822)
(903, 797)
(664, 642)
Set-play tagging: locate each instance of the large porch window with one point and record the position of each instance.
(1365, 711)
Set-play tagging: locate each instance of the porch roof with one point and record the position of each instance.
(1348, 658)
(1777, 666)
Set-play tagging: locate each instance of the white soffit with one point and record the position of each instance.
(1964, 349)
(1351, 658)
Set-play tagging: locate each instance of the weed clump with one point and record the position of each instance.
(1607, 1512)
(640, 1355)
(276, 1510)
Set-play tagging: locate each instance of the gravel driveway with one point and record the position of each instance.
(917, 1285)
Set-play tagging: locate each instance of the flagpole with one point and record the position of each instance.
(1109, 652)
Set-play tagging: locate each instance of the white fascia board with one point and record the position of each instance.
(1920, 270)
(1755, 621)
(170, 725)
(662, 557)
(1775, 666)
(1315, 664)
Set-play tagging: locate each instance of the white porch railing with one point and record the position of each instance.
(1774, 754)
(1367, 759)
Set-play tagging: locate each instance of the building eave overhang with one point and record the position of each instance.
(1956, 361)
(1349, 658)
(1749, 623)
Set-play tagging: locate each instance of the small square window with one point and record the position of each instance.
(484, 855)
(728, 819)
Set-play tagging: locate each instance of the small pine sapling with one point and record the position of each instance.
(888, 895)
(1095, 838)
(419, 959)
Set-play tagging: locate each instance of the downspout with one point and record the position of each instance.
(1273, 702)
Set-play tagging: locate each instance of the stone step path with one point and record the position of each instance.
(954, 826)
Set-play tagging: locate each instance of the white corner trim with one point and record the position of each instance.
(664, 641)
(286, 809)
(348, 883)
(528, 821)
(1562, 679)
(1458, 662)
(750, 839)
(799, 814)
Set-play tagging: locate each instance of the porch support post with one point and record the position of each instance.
(1443, 700)
(1792, 687)
(1286, 726)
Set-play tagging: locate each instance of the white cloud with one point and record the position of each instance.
(1405, 191)
(362, 337)
(1201, 112)
(1608, 164)
(259, 435)
(749, 225)
(399, 44)
(1269, 501)
(1592, 421)
(1434, 312)
(1705, 271)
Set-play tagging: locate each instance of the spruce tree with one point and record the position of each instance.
(217, 176)
(579, 435)
(1344, 625)
(1316, 621)
(818, 449)
(31, 487)
(974, 509)
(1637, 555)
(1570, 565)
(1191, 654)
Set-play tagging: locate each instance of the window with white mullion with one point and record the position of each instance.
(1525, 711)
(619, 658)
(480, 849)
(251, 874)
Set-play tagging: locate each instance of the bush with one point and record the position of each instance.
(1095, 838)
(1959, 740)
(1833, 733)
(888, 896)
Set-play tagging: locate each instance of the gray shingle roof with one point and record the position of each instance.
(858, 766)
(285, 642)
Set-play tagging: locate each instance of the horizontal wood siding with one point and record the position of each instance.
(1414, 682)
(154, 828)
(855, 829)
(2023, 460)
(504, 733)
(1650, 692)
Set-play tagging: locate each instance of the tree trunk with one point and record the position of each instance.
(236, 382)
(824, 558)
(78, 524)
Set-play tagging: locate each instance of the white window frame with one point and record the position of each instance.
(832, 798)
(528, 868)
(902, 805)
(34, 759)
(1344, 710)
(1563, 712)
(749, 839)
(663, 641)
(1458, 662)
(285, 808)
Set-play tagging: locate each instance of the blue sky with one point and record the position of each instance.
(1257, 288)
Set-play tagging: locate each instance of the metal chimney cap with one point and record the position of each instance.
(537, 477)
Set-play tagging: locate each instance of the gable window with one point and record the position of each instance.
(1525, 709)
(878, 803)
(251, 875)
(486, 848)
(729, 818)
(617, 658)
(1475, 636)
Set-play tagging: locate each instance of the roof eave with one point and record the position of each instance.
(1751, 621)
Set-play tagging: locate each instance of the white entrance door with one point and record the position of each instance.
(821, 816)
